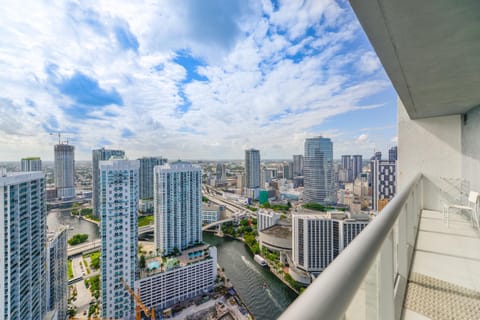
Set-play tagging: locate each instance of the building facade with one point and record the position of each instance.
(318, 238)
(177, 206)
(288, 170)
(146, 175)
(210, 214)
(357, 165)
(64, 172)
(163, 289)
(392, 154)
(57, 280)
(23, 242)
(384, 182)
(97, 156)
(31, 164)
(298, 165)
(118, 230)
(252, 169)
(347, 166)
(266, 219)
(319, 184)
(220, 173)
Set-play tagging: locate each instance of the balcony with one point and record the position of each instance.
(409, 263)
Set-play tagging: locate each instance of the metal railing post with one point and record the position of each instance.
(386, 308)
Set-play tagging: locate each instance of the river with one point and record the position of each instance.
(245, 274)
(57, 218)
(247, 278)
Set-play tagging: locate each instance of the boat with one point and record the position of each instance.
(264, 285)
(259, 259)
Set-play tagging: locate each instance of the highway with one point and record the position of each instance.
(95, 245)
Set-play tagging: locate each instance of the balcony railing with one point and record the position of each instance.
(368, 279)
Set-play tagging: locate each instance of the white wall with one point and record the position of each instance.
(471, 148)
(432, 146)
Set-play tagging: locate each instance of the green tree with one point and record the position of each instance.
(142, 262)
(77, 239)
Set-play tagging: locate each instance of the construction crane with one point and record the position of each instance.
(139, 306)
(59, 134)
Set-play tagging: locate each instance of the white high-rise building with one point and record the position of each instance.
(31, 164)
(266, 219)
(319, 185)
(118, 207)
(97, 156)
(252, 169)
(64, 171)
(183, 277)
(318, 238)
(177, 206)
(57, 280)
(23, 245)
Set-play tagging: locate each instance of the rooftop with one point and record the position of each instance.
(279, 231)
(158, 264)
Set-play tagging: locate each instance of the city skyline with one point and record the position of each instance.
(176, 80)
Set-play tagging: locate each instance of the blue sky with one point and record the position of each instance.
(190, 79)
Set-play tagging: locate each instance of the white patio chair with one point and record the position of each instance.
(472, 207)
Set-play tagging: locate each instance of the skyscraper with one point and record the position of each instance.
(64, 171)
(392, 154)
(57, 280)
(252, 168)
(288, 170)
(23, 242)
(118, 230)
(177, 205)
(220, 172)
(31, 164)
(357, 164)
(377, 156)
(318, 238)
(318, 171)
(146, 175)
(297, 165)
(347, 166)
(97, 156)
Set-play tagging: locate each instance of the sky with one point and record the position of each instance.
(190, 79)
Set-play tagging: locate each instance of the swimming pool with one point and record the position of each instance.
(153, 265)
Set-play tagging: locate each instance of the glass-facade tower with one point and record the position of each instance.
(318, 171)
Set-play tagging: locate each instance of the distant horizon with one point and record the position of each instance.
(212, 160)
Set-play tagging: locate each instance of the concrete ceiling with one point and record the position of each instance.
(430, 49)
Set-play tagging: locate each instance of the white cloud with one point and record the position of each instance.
(369, 63)
(362, 138)
(254, 96)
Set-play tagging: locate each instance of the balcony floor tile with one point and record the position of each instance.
(445, 269)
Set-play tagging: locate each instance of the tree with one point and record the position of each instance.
(142, 262)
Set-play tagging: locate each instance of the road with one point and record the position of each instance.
(83, 294)
(80, 248)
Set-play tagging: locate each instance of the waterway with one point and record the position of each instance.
(244, 273)
(247, 278)
(57, 218)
